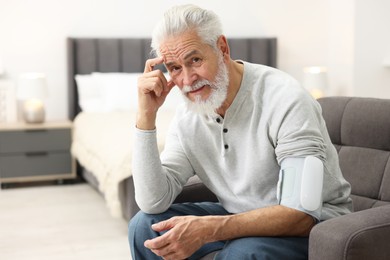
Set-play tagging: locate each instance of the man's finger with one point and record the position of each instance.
(156, 243)
(149, 64)
(161, 226)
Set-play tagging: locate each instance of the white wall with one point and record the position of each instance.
(372, 47)
(309, 32)
(341, 32)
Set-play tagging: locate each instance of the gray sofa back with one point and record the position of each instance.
(360, 130)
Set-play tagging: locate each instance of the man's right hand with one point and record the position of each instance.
(153, 88)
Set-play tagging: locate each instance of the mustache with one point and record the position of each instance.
(197, 85)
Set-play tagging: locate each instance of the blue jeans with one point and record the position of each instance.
(241, 248)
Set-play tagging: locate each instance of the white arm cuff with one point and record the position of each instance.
(300, 185)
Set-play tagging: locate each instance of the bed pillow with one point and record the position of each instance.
(89, 94)
(118, 90)
(107, 92)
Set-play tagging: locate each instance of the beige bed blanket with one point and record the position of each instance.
(102, 143)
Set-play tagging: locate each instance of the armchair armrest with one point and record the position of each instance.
(360, 235)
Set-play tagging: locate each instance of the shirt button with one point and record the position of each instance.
(218, 120)
(226, 146)
(225, 130)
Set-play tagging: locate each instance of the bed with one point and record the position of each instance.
(103, 129)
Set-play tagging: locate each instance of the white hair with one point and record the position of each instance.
(183, 18)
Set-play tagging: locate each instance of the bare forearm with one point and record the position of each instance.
(146, 120)
(272, 221)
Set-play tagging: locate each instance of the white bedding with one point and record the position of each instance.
(102, 143)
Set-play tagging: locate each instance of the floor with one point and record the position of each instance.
(59, 222)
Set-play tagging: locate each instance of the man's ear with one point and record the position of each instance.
(224, 47)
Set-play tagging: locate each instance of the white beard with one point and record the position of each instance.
(218, 94)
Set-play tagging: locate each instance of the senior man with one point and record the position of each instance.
(254, 137)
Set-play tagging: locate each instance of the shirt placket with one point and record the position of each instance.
(224, 133)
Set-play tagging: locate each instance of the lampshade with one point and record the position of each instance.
(32, 86)
(315, 80)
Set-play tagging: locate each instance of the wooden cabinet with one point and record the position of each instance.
(34, 152)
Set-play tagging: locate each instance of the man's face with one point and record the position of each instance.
(196, 69)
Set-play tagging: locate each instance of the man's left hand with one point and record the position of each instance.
(184, 236)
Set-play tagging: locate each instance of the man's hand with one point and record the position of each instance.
(153, 88)
(184, 236)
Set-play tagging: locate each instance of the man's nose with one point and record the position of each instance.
(189, 76)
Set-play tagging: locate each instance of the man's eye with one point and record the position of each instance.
(174, 70)
(196, 60)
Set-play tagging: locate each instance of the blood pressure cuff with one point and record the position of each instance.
(300, 185)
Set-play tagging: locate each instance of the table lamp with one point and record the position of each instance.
(32, 89)
(315, 80)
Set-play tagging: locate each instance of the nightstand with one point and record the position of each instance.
(36, 152)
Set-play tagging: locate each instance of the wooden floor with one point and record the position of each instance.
(59, 222)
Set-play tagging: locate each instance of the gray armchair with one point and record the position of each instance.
(360, 130)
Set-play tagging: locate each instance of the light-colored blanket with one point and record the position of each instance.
(102, 143)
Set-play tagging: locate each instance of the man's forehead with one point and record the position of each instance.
(181, 47)
(171, 57)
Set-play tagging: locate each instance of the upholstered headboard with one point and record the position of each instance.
(87, 55)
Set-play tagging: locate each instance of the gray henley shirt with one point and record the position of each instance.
(238, 157)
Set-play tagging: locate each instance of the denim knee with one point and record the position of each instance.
(139, 231)
(136, 219)
(140, 225)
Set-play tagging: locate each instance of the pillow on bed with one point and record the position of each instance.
(90, 98)
(118, 90)
(106, 92)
